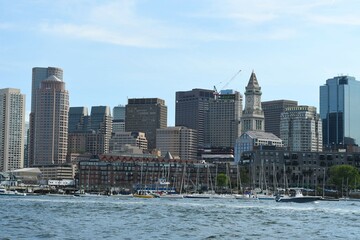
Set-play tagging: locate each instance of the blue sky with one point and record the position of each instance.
(114, 50)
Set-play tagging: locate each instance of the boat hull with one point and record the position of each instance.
(304, 199)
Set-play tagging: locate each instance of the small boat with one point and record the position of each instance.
(143, 194)
(4, 192)
(172, 196)
(246, 196)
(296, 195)
(198, 196)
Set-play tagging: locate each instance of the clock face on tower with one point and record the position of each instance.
(257, 101)
(249, 100)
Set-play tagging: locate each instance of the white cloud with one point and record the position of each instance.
(5, 25)
(337, 20)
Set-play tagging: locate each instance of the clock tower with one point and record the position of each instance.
(253, 116)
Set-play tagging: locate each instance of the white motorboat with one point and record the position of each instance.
(4, 192)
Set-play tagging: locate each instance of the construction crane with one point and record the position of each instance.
(216, 93)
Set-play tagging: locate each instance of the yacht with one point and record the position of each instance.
(295, 195)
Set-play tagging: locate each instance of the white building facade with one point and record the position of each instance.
(12, 129)
(301, 129)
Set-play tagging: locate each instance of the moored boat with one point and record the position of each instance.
(4, 192)
(296, 195)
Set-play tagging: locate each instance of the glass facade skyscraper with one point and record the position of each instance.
(339, 111)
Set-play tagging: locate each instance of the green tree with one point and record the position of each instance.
(222, 180)
(341, 175)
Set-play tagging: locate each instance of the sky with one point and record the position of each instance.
(114, 50)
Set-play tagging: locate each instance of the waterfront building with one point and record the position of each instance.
(280, 168)
(301, 129)
(191, 109)
(39, 74)
(339, 104)
(12, 129)
(120, 139)
(272, 113)
(181, 142)
(255, 139)
(253, 116)
(58, 172)
(50, 123)
(118, 122)
(146, 115)
(224, 117)
(144, 172)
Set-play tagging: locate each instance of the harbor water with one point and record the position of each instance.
(68, 217)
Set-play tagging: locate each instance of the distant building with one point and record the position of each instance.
(100, 128)
(50, 123)
(255, 139)
(135, 139)
(224, 116)
(39, 74)
(146, 115)
(12, 129)
(89, 134)
(118, 122)
(78, 119)
(253, 116)
(301, 129)
(272, 113)
(339, 111)
(181, 142)
(191, 109)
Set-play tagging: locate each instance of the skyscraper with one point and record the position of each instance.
(50, 122)
(78, 119)
(301, 129)
(253, 116)
(100, 126)
(224, 119)
(339, 111)
(38, 75)
(118, 122)
(272, 113)
(89, 134)
(12, 129)
(191, 111)
(146, 115)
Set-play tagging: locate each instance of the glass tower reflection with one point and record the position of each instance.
(339, 111)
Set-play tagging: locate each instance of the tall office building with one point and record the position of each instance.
(38, 75)
(89, 134)
(50, 123)
(12, 129)
(78, 119)
(78, 124)
(146, 115)
(181, 142)
(191, 111)
(301, 129)
(100, 126)
(253, 116)
(272, 113)
(339, 111)
(224, 119)
(118, 122)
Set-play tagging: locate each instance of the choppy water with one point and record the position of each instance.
(45, 217)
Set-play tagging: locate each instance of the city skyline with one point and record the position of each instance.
(114, 50)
